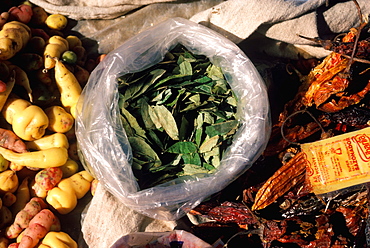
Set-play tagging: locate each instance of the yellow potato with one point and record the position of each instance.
(52, 157)
(56, 21)
(4, 164)
(48, 141)
(69, 168)
(58, 240)
(13, 37)
(54, 48)
(28, 121)
(69, 87)
(59, 120)
(63, 197)
(23, 196)
(30, 124)
(8, 181)
(73, 41)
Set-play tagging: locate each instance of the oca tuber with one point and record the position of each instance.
(13, 38)
(64, 196)
(23, 218)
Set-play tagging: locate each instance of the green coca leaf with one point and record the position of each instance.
(183, 147)
(221, 128)
(143, 150)
(167, 121)
(209, 144)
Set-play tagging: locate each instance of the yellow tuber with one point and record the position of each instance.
(56, 21)
(28, 121)
(4, 164)
(69, 168)
(37, 229)
(54, 48)
(64, 196)
(59, 120)
(23, 217)
(57, 240)
(13, 38)
(52, 157)
(21, 78)
(73, 41)
(23, 196)
(8, 181)
(48, 141)
(69, 88)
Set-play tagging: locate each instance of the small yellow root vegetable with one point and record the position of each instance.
(58, 240)
(15, 167)
(28, 121)
(8, 181)
(59, 120)
(54, 48)
(52, 157)
(56, 21)
(48, 141)
(13, 37)
(31, 123)
(4, 164)
(12, 106)
(73, 41)
(21, 78)
(69, 87)
(23, 196)
(69, 168)
(64, 196)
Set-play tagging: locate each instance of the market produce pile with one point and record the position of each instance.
(43, 69)
(274, 203)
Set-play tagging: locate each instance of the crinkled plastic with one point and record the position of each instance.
(103, 145)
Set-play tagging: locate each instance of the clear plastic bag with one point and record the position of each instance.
(104, 147)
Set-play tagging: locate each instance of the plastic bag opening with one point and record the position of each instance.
(104, 147)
